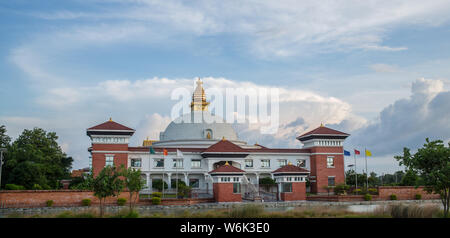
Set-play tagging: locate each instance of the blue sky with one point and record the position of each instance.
(376, 69)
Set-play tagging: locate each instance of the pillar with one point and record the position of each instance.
(169, 182)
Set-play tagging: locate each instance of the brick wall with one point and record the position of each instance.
(223, 192)
(404, 192)
(99, 159)
(298, 193)
(38, 198)
(321, 172)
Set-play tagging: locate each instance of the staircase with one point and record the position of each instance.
(249, 191)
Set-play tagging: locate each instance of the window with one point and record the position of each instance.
(330, 162)
(159, 163)
(248, 163)
(265, 163)
(136, 163)
(286, 188)
(236, 188)
(330, 181)
(225, 179)
(301, 163)
(178, 163)
(196, 163)
(283, 162)
(109, 160)
(194, 183)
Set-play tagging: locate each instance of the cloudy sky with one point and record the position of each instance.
(379, 70)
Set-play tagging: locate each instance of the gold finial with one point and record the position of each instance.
(223, 138)
(226, 163)
(289, 163)
(199, 102)
(321, 124)
(110, 119)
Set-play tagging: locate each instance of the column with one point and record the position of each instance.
(147, 175)
(186, 179)
(257, 181)
(169, 181)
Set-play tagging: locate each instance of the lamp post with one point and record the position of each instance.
(1, 164)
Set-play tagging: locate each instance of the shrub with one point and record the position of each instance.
(11, 186)
(156, 200)
(357, 191)
(418, 196)
(121, 201)
(49, 203)
(393, 197)
(367, 197)
(341, 189)
(266, 180)
(158, 184)
(157, 194)
(86, 202)
(36, 187)
(372, 191)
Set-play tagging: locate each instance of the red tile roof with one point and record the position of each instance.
(321, 130)
(111, 125)
(226, 168)
(225, 146)
(290, 169)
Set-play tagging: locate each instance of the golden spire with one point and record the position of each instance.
(199, 102)
(226, 163)
(289, 163)
(110, 119)
(223, 138)
(321, 124)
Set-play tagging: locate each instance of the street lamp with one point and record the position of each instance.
(1, 164)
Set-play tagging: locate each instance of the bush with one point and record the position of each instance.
(11, 186)
(156, 200)
(367, 197)
(157, 194)
(357, 191)
(158, 183)
(86, 202)
(372, 191)
(181, 183)
(36, 187)
(49, 203)
(418, 196)
(393, 197)
(121, 201)
(266, 180)
(341, 189)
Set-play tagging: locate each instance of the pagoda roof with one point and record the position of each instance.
(111, 126)
(322, 131)
(227, 169)
(225, 146)
(290, 169)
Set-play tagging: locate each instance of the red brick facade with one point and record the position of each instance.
(319, 170)
(223, 192)
(99, 158)
(298, 192)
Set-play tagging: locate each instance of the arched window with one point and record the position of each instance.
(208, 133)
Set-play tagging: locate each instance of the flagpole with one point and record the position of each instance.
(164, 168)
(367, 172)
(356, 174)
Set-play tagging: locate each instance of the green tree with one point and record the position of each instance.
(134, 183)
(158, 184)
(410, 179)
(4, 138)
(350, 178)
(373, 180)
(107, 184)
(432, 164)
(84, 182)
(36, 158)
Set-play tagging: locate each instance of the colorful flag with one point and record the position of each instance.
(368, 153)
(346, 153)
(357, 152)
(179, 153)
(152, 151)
(165, 152)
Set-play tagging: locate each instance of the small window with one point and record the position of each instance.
(194, 183)
(109, 160)
(248, 163)
(136, 163)
(331, 181)
(286, 187)
(283, 162)
(236, 188)
(330, 162)
(195, 163)
(265, 163)
(159, 163)
(301, 163)
(178, 163)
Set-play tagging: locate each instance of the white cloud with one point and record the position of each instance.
(384, 68)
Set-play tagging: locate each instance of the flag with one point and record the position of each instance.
(357, 152)
(346, 153)
(165, 152)
(368, 153)
(152, 151)
(179, 153)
